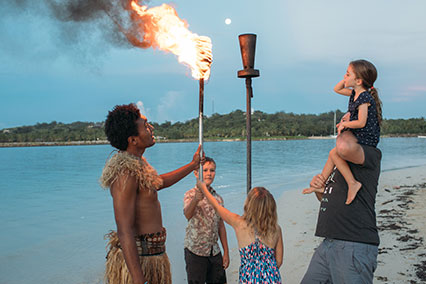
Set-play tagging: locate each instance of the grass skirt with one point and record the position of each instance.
(155, 268)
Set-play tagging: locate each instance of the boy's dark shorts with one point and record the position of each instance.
(204, 269)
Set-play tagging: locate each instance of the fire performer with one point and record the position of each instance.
(137, 252)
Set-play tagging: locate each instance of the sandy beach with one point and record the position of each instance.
(400, 218)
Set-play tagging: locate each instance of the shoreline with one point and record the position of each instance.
(400, 214)
(105, 142)
(47, 144)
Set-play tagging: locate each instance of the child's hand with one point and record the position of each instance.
(225, 260)
(200, 184)
(339, 128)
(345, 117)
(198, 195)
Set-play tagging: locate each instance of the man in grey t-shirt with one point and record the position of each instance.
(348, 253)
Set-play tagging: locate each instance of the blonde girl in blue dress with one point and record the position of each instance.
(259, 236)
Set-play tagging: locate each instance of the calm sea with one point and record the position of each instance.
(54, 214)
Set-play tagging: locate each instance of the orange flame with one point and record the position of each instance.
(163, 29)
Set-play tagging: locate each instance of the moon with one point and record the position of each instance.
(228, 21)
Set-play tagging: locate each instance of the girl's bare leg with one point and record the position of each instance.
(353, 185)
(348, 148)
(329, 166)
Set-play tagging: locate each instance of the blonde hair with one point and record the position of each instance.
(260, 212)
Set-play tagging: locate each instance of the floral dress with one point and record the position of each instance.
(258, 264)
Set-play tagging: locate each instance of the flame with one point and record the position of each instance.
(163, 29)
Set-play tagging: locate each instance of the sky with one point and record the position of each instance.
(53, 69)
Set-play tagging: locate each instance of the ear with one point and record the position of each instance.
(132, 140)
(196, 173)
(358, 82)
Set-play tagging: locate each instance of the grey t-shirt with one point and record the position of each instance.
(357, 221)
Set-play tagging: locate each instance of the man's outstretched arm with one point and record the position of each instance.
(173, 177)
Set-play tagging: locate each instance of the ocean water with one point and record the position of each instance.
(54, 214)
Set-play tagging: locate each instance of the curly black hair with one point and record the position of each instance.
(121, 124)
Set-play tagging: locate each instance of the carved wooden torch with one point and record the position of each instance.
(248, 49)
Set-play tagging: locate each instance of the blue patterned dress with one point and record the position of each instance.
(258, 264)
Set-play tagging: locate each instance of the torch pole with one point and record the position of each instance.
(248, 130)
(248, 47)
(200, 124)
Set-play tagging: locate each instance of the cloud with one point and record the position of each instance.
(169, 105)
(411, 94)
(144, 111)
(417, 89)
(329, 30)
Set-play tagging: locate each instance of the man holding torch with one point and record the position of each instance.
(137, 250)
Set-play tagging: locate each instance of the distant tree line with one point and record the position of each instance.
(217, 126)
(54, 132)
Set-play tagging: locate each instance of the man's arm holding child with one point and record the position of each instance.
(318, 181)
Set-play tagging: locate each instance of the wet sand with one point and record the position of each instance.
(401, 211)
